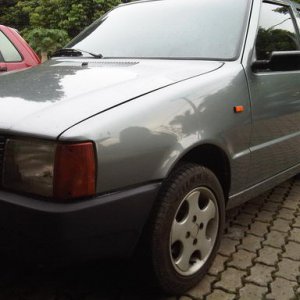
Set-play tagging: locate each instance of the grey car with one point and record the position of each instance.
(147, 127)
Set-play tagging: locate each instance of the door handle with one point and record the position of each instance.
(3, 69)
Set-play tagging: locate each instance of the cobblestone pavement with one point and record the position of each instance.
(259, 258)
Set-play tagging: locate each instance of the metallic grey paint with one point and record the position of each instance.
(49, 99)
(144, 143)
(145, 115)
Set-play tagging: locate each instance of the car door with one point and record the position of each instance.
(11, 58)
(275, 96)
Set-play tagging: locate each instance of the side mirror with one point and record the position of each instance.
(279, 61)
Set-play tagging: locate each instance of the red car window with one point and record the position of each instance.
(8, 50)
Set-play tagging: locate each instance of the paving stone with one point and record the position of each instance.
(218, 265)
(268, 255)
(265, 216)
(243, 220)
(227, 246)
(232, 213)
(251, 208)
(281, 289)
(259, 200)
(242, 259)
(296, 185)
(286, 214)
(235, 232)
(277, 197)
(271, 206)
(251, 243)
(288, 269)
(220, 295)
(203, 288)
(281, 225)
(294, 194)
(283, 187)
(296, 222)
(260, 274)
(251, 292)
(231, 280)
(295, 235)
(275, 239)
(282, 192)
(292, 251)
(227, 225)
(258, 228)
(290, 204)
(280, 195)
(185, 298)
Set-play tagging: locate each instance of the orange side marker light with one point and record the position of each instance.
(239, 108)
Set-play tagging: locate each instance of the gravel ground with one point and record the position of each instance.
(259, 258)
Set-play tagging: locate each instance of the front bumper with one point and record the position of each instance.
(105, 226)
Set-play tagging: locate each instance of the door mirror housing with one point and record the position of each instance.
(279, 61)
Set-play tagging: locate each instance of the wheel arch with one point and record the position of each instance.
(212, 157)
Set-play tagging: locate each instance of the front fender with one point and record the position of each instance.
(142, 140)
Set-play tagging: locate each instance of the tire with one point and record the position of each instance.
(186, 228)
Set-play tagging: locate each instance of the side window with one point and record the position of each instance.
(276, 31)
(8, 50)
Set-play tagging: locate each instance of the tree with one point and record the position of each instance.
(269, 40)
(71, 16)
(49, 24)
(46, 41)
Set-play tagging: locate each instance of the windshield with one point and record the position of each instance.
(173, 29)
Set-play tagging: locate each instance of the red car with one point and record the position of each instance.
(15, 53)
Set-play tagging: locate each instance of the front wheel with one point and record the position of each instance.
(187, 227)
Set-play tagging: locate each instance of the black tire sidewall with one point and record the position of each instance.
(178, 185)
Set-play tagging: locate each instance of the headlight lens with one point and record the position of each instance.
(29, 166)
(56, 170)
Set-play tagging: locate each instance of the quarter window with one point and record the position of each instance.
(276, 31)
(8, 50)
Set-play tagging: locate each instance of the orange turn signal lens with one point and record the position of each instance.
(74, 171)
(239, 109)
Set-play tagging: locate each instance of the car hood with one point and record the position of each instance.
(52, 97)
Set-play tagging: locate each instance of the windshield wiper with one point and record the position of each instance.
(74, 53)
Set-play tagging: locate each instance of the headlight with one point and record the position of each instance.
(48, 169)
(29, 166)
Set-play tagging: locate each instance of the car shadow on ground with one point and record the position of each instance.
(109, 280)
